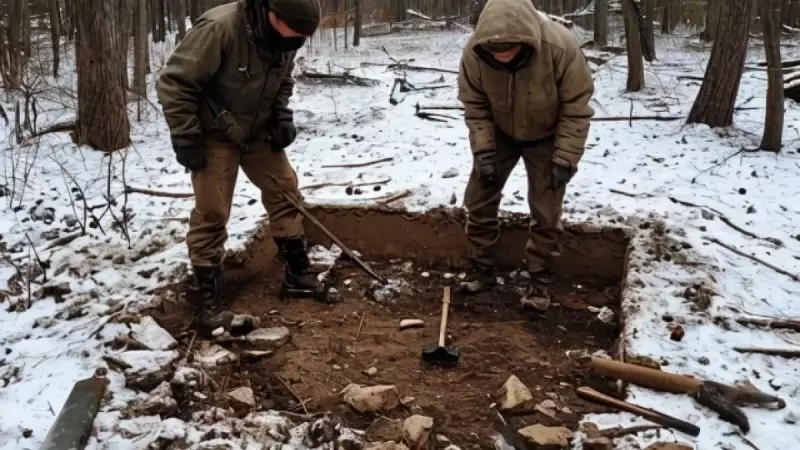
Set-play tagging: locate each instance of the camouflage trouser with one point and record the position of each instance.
(213, 186)
(545, 203)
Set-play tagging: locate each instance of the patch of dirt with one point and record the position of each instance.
(333, 346)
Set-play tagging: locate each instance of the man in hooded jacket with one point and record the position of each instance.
(225, 94)
(525, 86)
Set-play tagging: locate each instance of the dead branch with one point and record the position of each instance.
(135, 190)
(341, 78)
(724, 219)
(395, 197)
(782, 352)
(636, 118)
(348, 183)
(778, 324)
(434, 117)
(618, 432)
(784, 64)
(355, 165)
(405, 66)
(418, 107)
(754, 258)
(60, 127)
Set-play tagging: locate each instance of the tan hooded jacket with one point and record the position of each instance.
(550, 96)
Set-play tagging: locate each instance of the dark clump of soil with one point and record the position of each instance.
(334, 345)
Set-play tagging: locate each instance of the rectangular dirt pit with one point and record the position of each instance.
(359, 340)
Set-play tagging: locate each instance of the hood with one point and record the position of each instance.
(509, 21)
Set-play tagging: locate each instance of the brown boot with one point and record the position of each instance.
(482, 279)
(537, 294)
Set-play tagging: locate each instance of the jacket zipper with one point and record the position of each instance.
(512, 83)
(259, 104)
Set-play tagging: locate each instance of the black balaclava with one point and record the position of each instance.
(263, 34)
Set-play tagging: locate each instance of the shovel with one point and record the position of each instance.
(439, 354)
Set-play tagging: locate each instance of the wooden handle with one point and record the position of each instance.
(445, 309)
(593, 396)
(643, 376)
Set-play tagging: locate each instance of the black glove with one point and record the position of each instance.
(281, 135)
(486, 163)
(562, 175)
(193, 158)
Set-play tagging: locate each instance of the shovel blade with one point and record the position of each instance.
(441, 355)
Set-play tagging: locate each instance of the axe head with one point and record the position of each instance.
(712, 397)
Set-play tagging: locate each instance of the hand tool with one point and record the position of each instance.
(441, 355)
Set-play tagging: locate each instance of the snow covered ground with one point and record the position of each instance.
(633, 174)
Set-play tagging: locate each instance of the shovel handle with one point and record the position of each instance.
(593, 396)
(445, 310)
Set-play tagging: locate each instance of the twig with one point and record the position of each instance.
(783, 352)
(349, 183)
(779, 324)
(56, 128)
(754, 258)
(360, 324)
(395, 197)
(354, 165)
(724, 160)
(404, 66)
(302, 403)
(632, 118)
(154, 193)
(343, 77)
(42, 265)
(618, 432)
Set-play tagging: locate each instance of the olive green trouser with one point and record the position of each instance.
(269, 171)
(546, 204)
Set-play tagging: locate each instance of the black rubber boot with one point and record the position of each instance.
(482, 279)
(211, 310)
(537, 294)
(298, 281)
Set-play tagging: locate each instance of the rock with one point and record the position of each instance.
(243, 395)
(147, 369)
(242, 324)
(151, 335)
(548, 408)
(417, 431)
(53, 289)
(372, 371)
(384, 429)
(606, 315)
(677, 333)
(405, 401)
(590, 429)
(269, 338)
(450, 173)
(390, 445)
(405, 324)
(442, 439)
(214, 355)
(514, 396)
(598, 443)
(159, 403)
(371, 398)
(644, 361)
(546, 437)
(670, 446)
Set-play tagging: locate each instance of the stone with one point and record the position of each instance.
(548, 408)
(598, 443)
(546, 437)
(243, 395)
(591, 430)
(677, 333)
(670, 446)
(514, 395)
(417, 431)
(406, 324)
(371, 398)
(151, 335)
(269, 338)
(214, 355)
(372, 371)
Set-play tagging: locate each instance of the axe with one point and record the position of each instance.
(720, 398)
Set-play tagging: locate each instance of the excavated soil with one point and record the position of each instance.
(334, 345)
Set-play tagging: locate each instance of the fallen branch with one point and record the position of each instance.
(782, 352)
(784, 64)
(404, 66)
(344, 78)
(724, 219)
(348, 183)
(56, 128)
(395, 197)
(778, 324)
(618, 432)
(354, 165)
(419, 108)
(434, 117)
(134, 190)
(632, 118)
(754, 258)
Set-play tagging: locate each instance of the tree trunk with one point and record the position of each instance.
(634, 47)
(140, 48)
(672, 16)
(102, 115)
(180, 18)
(124, 15)
(357, 23)
(644, 19)
(26, 29)
(786, 9)
(15, 13)
(713, 12)
(557, 7)
(569, 6)
(69, 19)
(773, 126)
(715, 102)
(600, 23)
(55, 35)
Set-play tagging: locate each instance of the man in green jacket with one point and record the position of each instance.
(225, 94)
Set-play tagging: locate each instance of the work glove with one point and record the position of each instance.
(281, 135)
(562, 175)
(193, 158)
(486, 163)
